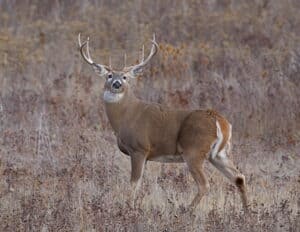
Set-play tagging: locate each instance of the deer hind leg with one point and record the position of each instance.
(195, 166)
(226, 166)
(137, 169)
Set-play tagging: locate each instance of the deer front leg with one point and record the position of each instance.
(137, 168)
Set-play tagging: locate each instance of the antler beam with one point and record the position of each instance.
(99, 68)
(137, 68)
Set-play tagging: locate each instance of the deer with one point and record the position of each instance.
(147, 131)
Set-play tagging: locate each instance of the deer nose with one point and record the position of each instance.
(117, 84)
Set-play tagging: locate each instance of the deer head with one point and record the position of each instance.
(116, 82)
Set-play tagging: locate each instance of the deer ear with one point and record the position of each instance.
(132, 73)
(101, 70)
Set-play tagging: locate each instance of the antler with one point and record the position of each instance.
(99, 68)
(133, 70)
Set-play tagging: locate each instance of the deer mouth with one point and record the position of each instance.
(116, 91)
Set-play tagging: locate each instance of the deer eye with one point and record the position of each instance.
(109, 76)
(124, 77)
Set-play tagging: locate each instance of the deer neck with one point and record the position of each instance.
(121, 110)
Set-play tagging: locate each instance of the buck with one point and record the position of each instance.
(152, 132)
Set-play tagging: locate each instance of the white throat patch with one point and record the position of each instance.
(112, 97)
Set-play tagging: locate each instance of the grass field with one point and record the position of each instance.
(60, 167)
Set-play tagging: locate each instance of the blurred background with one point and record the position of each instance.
(59, 163)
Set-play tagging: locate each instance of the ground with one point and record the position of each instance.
(60, 166)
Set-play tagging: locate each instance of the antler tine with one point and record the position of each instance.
(109, 61)
(79, 42)
(125, 59)
(143, 53)
(88, 48)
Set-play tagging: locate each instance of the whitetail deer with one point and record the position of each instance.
(149, 131)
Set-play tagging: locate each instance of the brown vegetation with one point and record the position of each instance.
(60, 167)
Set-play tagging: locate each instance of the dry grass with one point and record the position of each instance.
(60, 166)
